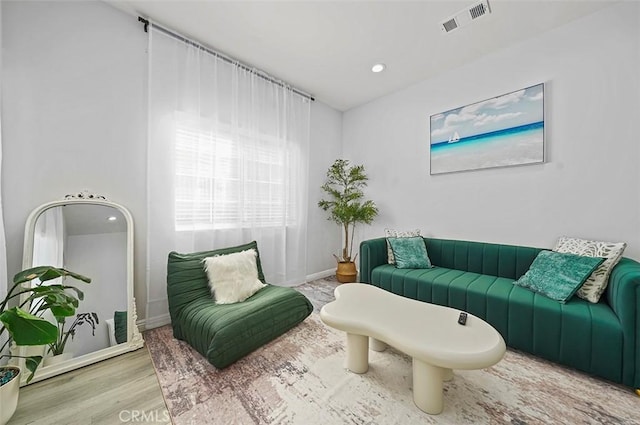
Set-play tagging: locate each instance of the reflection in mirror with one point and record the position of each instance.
(90, 240)
(93, 237)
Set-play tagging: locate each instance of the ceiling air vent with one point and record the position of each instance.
(450, 25)
(465, 16)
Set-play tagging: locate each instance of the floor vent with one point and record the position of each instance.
(466, 16)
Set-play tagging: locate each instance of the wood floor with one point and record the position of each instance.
(120, 390)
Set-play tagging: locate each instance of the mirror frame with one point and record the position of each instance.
(134, 337)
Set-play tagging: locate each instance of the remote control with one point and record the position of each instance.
(462, 320)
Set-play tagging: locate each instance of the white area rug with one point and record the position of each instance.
(300, 378)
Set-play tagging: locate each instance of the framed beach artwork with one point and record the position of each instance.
(499, 132)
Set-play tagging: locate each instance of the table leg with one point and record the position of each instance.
(447, 375)
(427, 387)
(376, 345)
(357, 353)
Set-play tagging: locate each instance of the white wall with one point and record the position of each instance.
(588, 188)
(323, 236)
(3, 263)
(75, 116)
(74, 113)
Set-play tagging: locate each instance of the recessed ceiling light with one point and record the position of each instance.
(379, 67)
(112, 218)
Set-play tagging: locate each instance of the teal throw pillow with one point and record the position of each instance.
(120, 324)
(558, 275)
(410, 253)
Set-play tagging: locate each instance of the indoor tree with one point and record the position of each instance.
(345, 203)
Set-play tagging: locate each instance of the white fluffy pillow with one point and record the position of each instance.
(233, 277)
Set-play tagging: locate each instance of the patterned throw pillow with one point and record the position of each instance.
(595, 284)
(390, 233)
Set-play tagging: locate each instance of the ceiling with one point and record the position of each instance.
(327, 48)
(91, 219)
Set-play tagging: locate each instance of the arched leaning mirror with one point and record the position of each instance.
(90, 235)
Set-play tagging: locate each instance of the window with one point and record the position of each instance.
(226, 180)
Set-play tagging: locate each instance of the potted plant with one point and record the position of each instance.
(27, 328)
(9, 390)
(57, 348)
(347, 208)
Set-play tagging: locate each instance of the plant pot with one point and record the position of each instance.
(33, 350)
(52, 360)
(346, 272)
(9, 394)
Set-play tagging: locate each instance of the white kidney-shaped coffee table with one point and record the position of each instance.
(429, 333)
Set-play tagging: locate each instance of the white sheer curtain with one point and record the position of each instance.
(228, 161)
(48, 240)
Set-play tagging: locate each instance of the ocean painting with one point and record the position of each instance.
(502, 131)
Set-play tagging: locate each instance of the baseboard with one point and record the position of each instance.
(308, 278)
(154, 322)
(321, 275)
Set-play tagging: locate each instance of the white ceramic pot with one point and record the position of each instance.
(27, 350)
(9, 396)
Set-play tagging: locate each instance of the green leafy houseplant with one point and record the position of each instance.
(345, 202)
(28, 327)
(56, 348)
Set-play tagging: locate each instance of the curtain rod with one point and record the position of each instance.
(223, 57)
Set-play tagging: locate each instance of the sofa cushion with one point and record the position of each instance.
(120, 326)
(391, 233)
(578, 333)
(410, 253)
(223, 333)
(596, 283)
(233, 277)
(480, 257)
(186, 279)
(558, 275)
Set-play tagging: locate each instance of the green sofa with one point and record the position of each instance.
(601, 339)
(227, 332)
